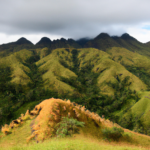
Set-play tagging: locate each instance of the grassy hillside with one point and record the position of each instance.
(61, 62)
(39, 129)
(15, 62)
(138, 113)
(108, 69)
(51, 68)
(135, 63)
(108, 83)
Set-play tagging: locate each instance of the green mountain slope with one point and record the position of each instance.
(15, 61)
(135, 63)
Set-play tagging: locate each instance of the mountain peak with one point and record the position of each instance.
(63, 39)
(44, 40)
(126, 36)
(23, 41)
(102, 35)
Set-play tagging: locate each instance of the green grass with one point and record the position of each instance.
(51, 67)
(18, 136)
(107, 68)
(126, 57)
(15, 62)
(74, 144)
(143, 105)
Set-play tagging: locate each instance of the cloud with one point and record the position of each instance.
(140, 32)
(5, 38)
(71, 18)
(147, 27)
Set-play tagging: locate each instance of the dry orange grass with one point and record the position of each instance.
(5, 129)
(49, 112)
(52, 110)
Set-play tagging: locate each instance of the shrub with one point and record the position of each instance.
(113, 133)
(68, 126)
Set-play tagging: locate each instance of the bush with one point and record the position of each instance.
(113, 133)
(67, 127)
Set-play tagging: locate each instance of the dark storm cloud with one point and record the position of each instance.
(71, 18)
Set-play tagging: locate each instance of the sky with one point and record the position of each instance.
(34, 19)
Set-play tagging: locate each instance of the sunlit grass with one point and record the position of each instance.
(18, 136)
(107, 68)
(73, 144)
(129, 58)
(52, 68)
(15, 62)
(142, 108)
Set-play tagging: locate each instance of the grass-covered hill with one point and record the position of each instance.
(62, 124)
(112, 80)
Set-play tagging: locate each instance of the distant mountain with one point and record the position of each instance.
(44, 42)
(62, 43)
(147, 44)
(82, 41)
(21, 43)
(102, 42)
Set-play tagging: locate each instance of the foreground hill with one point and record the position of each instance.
(43, 123)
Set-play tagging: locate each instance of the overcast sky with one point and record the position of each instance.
(34, 19)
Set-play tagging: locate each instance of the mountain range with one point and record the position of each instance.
(109, 75)
(103, 41)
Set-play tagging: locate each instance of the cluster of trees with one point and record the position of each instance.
(140, 73)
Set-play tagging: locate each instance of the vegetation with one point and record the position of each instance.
(113, 133)
(72, 144)
(68, 126)
(113, 82)
(140, 73)
(90, 77)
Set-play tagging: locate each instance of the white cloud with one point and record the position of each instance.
(141, 34)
